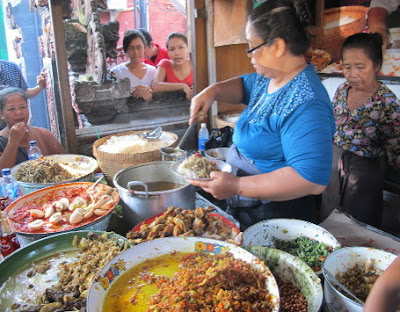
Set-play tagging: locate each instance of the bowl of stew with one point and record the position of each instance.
(62, 208)
(357, 268)
(176, 272)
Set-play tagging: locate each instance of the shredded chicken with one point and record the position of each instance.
(42, 170)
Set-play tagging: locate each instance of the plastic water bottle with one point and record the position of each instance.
(4, 200)
(34, 150)
(203, 137)
(9, 185)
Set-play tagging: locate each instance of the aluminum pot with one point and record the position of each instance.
(141, 205)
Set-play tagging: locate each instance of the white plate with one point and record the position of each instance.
(221, 166)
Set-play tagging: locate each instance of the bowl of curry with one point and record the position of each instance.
(62, 208)
(184, 274)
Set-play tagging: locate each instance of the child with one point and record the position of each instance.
(177, 73)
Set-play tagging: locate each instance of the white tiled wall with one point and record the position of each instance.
(331, 84)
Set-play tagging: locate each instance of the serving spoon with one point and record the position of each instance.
(177, 151)
(335, 282)
(153, 134)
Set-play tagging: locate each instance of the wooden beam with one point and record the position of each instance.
(67, 124)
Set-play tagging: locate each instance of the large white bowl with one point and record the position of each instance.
(291, 269)
(87, 165)
(164, 246)
(264, 232)
(218, 153)
(342, 260)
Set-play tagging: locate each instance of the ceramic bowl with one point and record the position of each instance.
(51, 194)
(84, 166)
(218, 153)
(342, 260)
(291, 269)
(264, 232)
(20, 260)
(163, 246)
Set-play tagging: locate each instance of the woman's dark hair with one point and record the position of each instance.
(131, 35)
(371, 44)
(146, 35)
(6, 93)
(285, 19)
(176, 35)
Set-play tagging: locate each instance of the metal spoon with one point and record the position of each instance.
(153, 134)
(335, 282)
(177, 152)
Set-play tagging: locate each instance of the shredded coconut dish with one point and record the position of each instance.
(135, 143)
(42, 170)
(196, 167)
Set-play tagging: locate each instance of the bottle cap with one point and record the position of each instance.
(33, 142)
(5, 171)
(203, 125)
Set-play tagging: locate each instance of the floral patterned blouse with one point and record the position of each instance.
(373, 129)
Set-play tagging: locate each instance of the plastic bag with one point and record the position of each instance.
(220, 138)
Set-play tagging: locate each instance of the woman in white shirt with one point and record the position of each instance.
(140, 74)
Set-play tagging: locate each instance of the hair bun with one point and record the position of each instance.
(302, 11)
(377, 37)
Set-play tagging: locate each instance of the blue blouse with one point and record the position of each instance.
(290, 127)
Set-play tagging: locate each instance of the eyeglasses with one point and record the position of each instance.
(249, 51)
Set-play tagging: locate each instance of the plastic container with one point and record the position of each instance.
(9, 185)
(34, 150)
(203, 137)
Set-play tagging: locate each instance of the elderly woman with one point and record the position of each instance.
(141, 75)
(367, 117)
(282, 141)
(15, 137)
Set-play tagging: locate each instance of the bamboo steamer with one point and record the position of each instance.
(111, 163)
(335, 32)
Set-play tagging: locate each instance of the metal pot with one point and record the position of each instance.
(141, 205)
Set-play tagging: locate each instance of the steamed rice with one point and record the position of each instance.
(134, 143)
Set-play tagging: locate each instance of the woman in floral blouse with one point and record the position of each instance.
(367, 115)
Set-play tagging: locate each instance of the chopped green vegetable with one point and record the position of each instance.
(306, 249)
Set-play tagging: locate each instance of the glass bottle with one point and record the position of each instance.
(9, 241)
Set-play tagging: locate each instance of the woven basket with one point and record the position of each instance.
(221, 122)
(110, 163)
(333, 37)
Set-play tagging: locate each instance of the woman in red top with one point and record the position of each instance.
(177, 73)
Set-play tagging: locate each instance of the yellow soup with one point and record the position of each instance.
(132, 291)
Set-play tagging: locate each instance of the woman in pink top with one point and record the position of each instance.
(177, 73)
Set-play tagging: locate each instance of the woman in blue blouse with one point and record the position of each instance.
(367, 115)
(282, 150)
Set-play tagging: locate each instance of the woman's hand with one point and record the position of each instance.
(41, 79)
(188, 91)
(17, 133)
(201, 103)
(142, 91)
(222, 185)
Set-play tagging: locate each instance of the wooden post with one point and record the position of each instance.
(66, 125)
